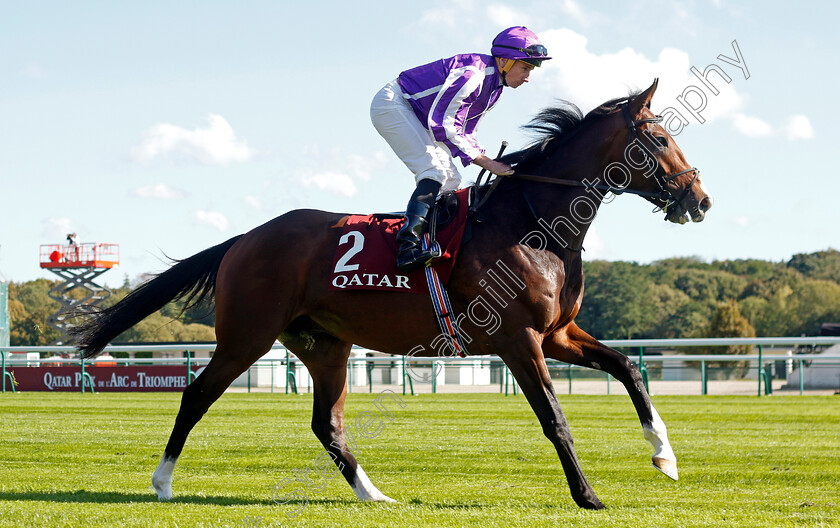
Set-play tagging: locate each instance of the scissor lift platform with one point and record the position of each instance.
(78, 265)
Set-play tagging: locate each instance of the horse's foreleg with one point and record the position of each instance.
(327, 365)
(573, 345)
(528, 367)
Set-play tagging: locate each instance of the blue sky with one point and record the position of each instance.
(168, 127)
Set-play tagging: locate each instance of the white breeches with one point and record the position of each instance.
(395, 121)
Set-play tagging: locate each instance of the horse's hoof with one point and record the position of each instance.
(383, 498)
(666, 466)
(591, 504)
(163, 489)
(588, 500)
(164, 495)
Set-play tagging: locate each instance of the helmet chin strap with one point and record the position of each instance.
(504, 69)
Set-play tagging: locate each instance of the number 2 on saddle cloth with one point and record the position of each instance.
(365, 257)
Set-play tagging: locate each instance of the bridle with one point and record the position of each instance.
(663, 181)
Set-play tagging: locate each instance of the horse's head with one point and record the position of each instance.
(656, 166)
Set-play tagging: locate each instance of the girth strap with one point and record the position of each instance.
(443, 310)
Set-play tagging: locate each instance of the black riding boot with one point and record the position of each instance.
(412, 255)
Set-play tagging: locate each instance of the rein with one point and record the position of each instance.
(664, 194)
(575, 183)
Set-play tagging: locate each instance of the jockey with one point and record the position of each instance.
(429, 114)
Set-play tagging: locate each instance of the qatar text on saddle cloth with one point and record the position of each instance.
(366, 255)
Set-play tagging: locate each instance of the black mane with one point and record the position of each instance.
(554, 125)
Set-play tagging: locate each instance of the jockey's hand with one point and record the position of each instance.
(496, 167)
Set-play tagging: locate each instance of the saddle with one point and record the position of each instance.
(445, 211)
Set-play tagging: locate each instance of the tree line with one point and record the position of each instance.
(30, 308)
(671, 298)
(687, 297)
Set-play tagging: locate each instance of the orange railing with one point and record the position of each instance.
(85, 255)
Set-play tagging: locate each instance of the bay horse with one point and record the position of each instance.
(272, 283)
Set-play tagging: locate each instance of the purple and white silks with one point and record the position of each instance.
(449, 97)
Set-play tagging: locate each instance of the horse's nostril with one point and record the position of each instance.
(706, 204)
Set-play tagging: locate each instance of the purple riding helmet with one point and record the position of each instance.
(519, 43)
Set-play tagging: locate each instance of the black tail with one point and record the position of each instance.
(193, 278)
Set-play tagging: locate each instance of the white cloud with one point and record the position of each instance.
(589, 79)
(798, 127)
(161, 191)
(573, 9)
(595, 246)
(362, 166)
(439, 17)
(253, 202)
(353, 168)
(56, 228)
(504, 16)
(465, 18)
(742, 221)
(751, 126)
(213, 219)
(334, 182)
(216, 144)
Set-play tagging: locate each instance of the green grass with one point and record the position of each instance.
(450, 460)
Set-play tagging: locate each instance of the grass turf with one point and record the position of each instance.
(71, 460)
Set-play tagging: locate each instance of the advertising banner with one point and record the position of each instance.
(139, 378)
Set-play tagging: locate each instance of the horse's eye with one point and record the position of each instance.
(663, 141)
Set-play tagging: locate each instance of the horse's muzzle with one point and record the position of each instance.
(696, 204)
(680, 213)
(698, 213)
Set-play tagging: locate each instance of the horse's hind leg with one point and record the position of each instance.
(225, 366)
(326, 359)
(573, 345)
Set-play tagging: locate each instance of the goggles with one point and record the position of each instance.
(534, 50)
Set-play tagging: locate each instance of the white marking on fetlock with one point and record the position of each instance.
(365, 490)
(663, 458)
(162, 477)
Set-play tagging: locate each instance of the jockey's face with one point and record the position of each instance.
(518, 74)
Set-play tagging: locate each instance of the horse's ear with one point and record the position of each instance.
(643, 99)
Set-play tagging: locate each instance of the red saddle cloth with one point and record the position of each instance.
(366, 255)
